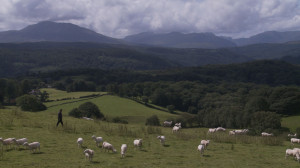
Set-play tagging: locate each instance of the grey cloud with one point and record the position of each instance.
(118, 18)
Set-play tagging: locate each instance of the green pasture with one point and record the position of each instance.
(292, 122)
(59, 147)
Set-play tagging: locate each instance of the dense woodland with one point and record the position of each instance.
(249, 95)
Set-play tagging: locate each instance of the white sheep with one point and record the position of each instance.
(232, 132)
(167, 123)
(86, 118)
(201, 149)
(220, 129)
(33, 146)
(211, 130)
(298, 157)
(204, 143)
(19, 142)
(80, 142)
(290, 152)
(7, 141)
(241, 132)
(175, 129)
(295, 140)
(98, 140)
(177, 124)
(123, 150)
(162, 139)
(138, 143)
(89, 154)
(266, 134)
(107, 147)
(292, 135)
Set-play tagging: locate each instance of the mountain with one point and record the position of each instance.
(52, 31)
(269, 37)
(22, 58)
(180, 40)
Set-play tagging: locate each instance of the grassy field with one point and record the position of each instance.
(59, 147)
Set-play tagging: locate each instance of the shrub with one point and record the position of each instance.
(87, 109)
(263, 119)
(90, 109)
(75, 113)
(298, 132)
(153, 120)
(171, 108)
(30, 103)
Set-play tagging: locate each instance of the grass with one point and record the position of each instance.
(59, 147)
(291, 122)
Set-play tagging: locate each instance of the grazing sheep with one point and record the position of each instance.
(162, 139)
(266, 134)
(290, 152)
(7, 141)
(86, 118)
(292, 135)
(138, 143)
(220, 129)
(79, 142)
(211, 130)
(176, 129)
(241, 132)
(167, 123)
(20, 141)
(177, 124)
(123, 150)
(298, 157)
(232, 132)
(98, 140)
(107, 147)
(201, 149)
(89, 153)
(204, 143)
(295, 140)
(33, 146)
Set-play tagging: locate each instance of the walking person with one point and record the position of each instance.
(60, 118)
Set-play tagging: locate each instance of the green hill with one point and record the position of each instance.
(59, 147)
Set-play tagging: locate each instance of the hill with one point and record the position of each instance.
(52, 31)
(269, 37)
(22, 58)
(180, 40)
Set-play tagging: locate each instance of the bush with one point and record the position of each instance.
(75, 113)
(262, 120)
(153, 120)
(87, 109)
(30, 103)
(171, 108)
(90, 109)
(298, 132)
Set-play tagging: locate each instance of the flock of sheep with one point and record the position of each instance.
(23, 141)
(89, 153)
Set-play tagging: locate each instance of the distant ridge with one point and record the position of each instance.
(56, 32)
(180, 40)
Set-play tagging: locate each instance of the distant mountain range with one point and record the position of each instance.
(67, 32)
(55, 32)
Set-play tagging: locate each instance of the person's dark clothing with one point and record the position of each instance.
(60, 119)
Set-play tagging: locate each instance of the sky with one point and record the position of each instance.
(119, 18)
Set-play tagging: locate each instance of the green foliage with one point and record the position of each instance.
(153, 121)
(30, 103)
(171, 108)
(298, 132)
(44, 96)
(262, 120)
(87, 109)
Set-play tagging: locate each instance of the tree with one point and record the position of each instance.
(30, 103)
(264, 119)
(87, 109)
(171, 108)
(153, 120)
(145, 99)
(44, 96)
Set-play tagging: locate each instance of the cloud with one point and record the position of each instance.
(118, 18)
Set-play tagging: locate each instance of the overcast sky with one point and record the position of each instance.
(118, 18)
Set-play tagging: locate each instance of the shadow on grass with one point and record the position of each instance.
(206, 155)
(129, 156)
(166, 146)
(144, 150)
(37, 153)
(8, 150)
(95, 162)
